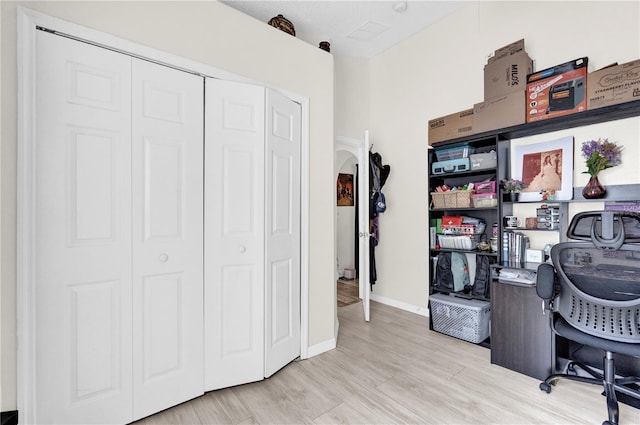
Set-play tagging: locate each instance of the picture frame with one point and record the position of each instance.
(546, 168)
(344, 190)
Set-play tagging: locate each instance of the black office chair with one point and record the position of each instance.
(594, 296)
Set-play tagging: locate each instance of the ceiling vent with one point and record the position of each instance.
(368, 31)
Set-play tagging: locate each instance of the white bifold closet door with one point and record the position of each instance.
(118, 238)
(234, 234)
(252, 233)
(167, 164)
(282, 244)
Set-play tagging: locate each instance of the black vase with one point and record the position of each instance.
(513, 196)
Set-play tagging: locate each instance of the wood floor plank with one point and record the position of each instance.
(270, 404)
(342, 374)
(221, 407)
(347, 292)
(395, 370)
(305, 390)
(369, 406)
(181, 414)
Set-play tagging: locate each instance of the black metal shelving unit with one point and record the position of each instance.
(499, 140)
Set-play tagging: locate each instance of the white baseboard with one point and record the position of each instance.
(422, 311)
(323, 347)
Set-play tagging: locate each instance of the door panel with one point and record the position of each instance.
(237, 330)
(234, 234)
(92, 166)
(238, 177)
(282, 281)
(282, 209)
(167, 155)
(163, 186)
(161, 333)
(94, 323)
(83, 241)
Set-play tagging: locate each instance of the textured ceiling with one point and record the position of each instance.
(354, 28)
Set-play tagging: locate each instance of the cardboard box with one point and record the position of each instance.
(613, 85)
(557, 91)
(509, 49)
(451, 126)
(506, 71)
(500, 112)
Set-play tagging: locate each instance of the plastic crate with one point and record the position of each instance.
(483, 200)
(483, 161)
(452, 199)
(458, 242)
(456, 152)
(460, 318)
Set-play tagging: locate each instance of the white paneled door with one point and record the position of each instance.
(167, 164)
(282, 222)
(83, 230)
(118, 195)
(234, 234)
(252, 233)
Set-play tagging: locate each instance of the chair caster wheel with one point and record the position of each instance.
(571, 370)
(545, 387)
(607, 423)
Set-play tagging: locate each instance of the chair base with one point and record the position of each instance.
(607, 380)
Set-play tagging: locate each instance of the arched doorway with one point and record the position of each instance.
(351, 154)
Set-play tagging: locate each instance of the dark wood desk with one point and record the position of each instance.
(521, 336)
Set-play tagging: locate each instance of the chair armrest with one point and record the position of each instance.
(545, 281)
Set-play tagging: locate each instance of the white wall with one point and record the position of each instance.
(352, 101)
(440, 71)
(213, 34)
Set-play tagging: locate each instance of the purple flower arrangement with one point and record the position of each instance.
(513, 185)
(600, 155)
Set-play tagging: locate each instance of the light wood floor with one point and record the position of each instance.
(347, 292)
(394, 370)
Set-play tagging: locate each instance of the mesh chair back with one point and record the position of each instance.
(600, 280)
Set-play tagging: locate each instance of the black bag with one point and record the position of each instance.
(443, 278)
(482, 283)
(378, 202)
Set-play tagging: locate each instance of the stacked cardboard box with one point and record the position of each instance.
(505, 76)
(557, 91)
(506, 71)
(613, 84)
(514, 94)
(451, 126)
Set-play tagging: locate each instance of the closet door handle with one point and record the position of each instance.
(163, 258)
(243, 249)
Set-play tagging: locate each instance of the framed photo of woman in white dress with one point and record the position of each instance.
(546, 168)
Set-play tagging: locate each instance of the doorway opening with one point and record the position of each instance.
(347, 291)
(351, 232)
